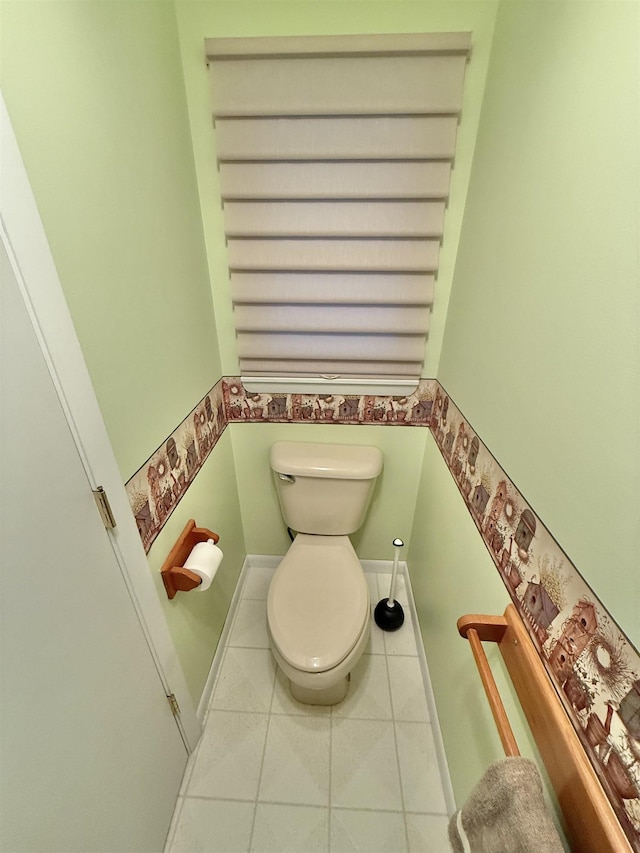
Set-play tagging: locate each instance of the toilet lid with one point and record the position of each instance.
(318, 602)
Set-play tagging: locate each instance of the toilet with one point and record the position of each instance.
(318, 608)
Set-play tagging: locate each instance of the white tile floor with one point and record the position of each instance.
(271, 774)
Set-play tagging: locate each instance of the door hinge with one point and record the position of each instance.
(102, 502)
(173, 704)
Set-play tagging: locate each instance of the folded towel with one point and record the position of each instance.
(505, 813)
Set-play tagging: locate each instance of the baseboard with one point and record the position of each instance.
(443, 765)
(263, 561)
(205, 698)
(382, 567)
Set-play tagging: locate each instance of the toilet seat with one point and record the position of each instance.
(318, 602)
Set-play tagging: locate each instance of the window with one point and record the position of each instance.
(335, 156)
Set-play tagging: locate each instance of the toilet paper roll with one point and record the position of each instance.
(204, 560)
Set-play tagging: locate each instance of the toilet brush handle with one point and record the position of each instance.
(397, 543)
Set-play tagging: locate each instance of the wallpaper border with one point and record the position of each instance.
(158, 486)
(595, 668)
(593, 665)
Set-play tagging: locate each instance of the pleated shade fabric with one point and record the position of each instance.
(335, 157)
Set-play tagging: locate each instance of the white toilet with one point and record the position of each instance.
(318, 608)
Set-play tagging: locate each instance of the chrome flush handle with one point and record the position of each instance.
(287, 478)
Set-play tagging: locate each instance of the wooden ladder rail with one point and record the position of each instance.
(491, 628)
(591, 822)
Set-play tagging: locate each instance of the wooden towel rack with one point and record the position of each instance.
(592, 825)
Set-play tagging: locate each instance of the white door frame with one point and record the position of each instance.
(28, 249)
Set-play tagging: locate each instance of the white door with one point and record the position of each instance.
(91, 757)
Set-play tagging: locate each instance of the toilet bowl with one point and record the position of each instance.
(318, 607)
(319, 617)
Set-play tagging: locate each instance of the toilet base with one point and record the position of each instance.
(327, 696)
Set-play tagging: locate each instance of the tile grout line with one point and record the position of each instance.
(269, 802)
(257, 797)
(395, 741)
(264, 747)
(331, 717)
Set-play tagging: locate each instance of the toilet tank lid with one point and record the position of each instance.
(335, 461)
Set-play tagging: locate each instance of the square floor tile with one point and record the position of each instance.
(368, 697)
(403, 640)
(256, 583)
(290, 829)
(284, 703)
(400, 593)
(367, 832)
(296, 761)
(428, 832)
(372, 582)
(375, 646)
(211, 826)
(230, 756)
(419, 770)
(407, 689)
(364, 765)
(245, 681)
(250, 625)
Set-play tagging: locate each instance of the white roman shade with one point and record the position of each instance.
(335, 155)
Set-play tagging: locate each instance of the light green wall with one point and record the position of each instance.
(390, 513)
(196, 619)
(452, 574)
(197, 20)
(542, 345)
(96, 96)
(544, 297)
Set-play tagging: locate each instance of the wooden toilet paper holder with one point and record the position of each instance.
(174, 576)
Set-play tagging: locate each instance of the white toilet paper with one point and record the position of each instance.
(204, 560)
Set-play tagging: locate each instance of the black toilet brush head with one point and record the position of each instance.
(389, 616)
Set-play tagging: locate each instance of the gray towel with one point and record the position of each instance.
(506, 813)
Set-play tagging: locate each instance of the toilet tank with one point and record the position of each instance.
(324, 489)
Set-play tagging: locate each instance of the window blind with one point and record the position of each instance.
(335, 156)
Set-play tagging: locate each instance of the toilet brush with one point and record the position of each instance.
(389, 614)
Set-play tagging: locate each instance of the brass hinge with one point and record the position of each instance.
(173, 704)
(102, 502)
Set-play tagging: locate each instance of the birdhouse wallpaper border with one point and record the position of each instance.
(594, 666)
(157, 487)
(412, 410)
